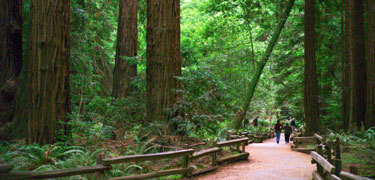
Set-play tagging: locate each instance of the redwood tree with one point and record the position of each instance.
(345, 69)
(10, 60)
(126, 48)
(311, 83)
(356, 58)
(163, 57)
(43, 98)
(370, 110)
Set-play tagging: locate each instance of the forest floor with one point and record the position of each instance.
(268, 160)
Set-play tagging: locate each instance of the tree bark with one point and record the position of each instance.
(163, 57)
(356, 58)
(45, 75)
(126, 49)
(311, 83)
(10, 39)
(345, 67)
(260, 65)
(370, 110)
(10, 61)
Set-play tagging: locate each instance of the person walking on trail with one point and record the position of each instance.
(255, 121)
(287, 132)
(278, 128)
(246, 122)
(293, 122)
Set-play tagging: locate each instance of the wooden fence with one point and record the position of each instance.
(327, 157)
(105, 164)
(252, 137)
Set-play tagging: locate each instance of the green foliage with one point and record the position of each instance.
(47, 157)
(358, 148)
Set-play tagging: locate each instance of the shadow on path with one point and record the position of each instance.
(268, 160)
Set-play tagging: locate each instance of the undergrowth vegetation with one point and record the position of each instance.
(358, 149)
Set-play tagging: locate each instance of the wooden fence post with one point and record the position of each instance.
(319, 150)
(329, 152)
(353, 170)
(338, 163)
(214, 159)
(243, 147)
(214, 155)
(185, 164)
(337, 148)
(99, 161)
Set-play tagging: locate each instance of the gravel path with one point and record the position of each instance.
(268, 160)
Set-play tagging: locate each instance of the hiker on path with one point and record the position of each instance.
(255, 121)
(287, 131)
(293, 122)
(246, 122)
(278, 128)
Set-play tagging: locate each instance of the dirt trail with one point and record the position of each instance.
(268, 160)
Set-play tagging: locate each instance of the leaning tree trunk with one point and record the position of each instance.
(311, 83)
(45, 75)
(126, 50)
(10, 62)
(356, 58)
(163, 57)
(260, 65)
(370, 110)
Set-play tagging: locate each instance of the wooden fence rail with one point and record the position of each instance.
(104, 164)
(147, 157)
(236, 142)
(328, 160)
(54, 173)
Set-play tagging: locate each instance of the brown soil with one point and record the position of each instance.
(267, 160)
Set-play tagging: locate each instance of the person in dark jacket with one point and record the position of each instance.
(246, 122)
(287, 132)
(278, 128)
(293, 122)
(255, 121)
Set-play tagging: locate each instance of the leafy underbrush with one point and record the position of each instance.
(63, 155)
(358, 149)
(48, 157)
(262, 128)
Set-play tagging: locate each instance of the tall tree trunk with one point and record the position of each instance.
(163, 57)
(370, 110)
(356, 58)
(45, 74)
(126, 49)
(311, 83)
(260, 65)
(10, 61)
(345, 67)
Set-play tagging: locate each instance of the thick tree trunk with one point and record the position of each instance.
(356, 58)
(10, 39)
(10, 61)
(163, 57)
(370, 110)
(45, 75)
(260, 65)
(126, 49)
(345, 68)
(311, 83)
